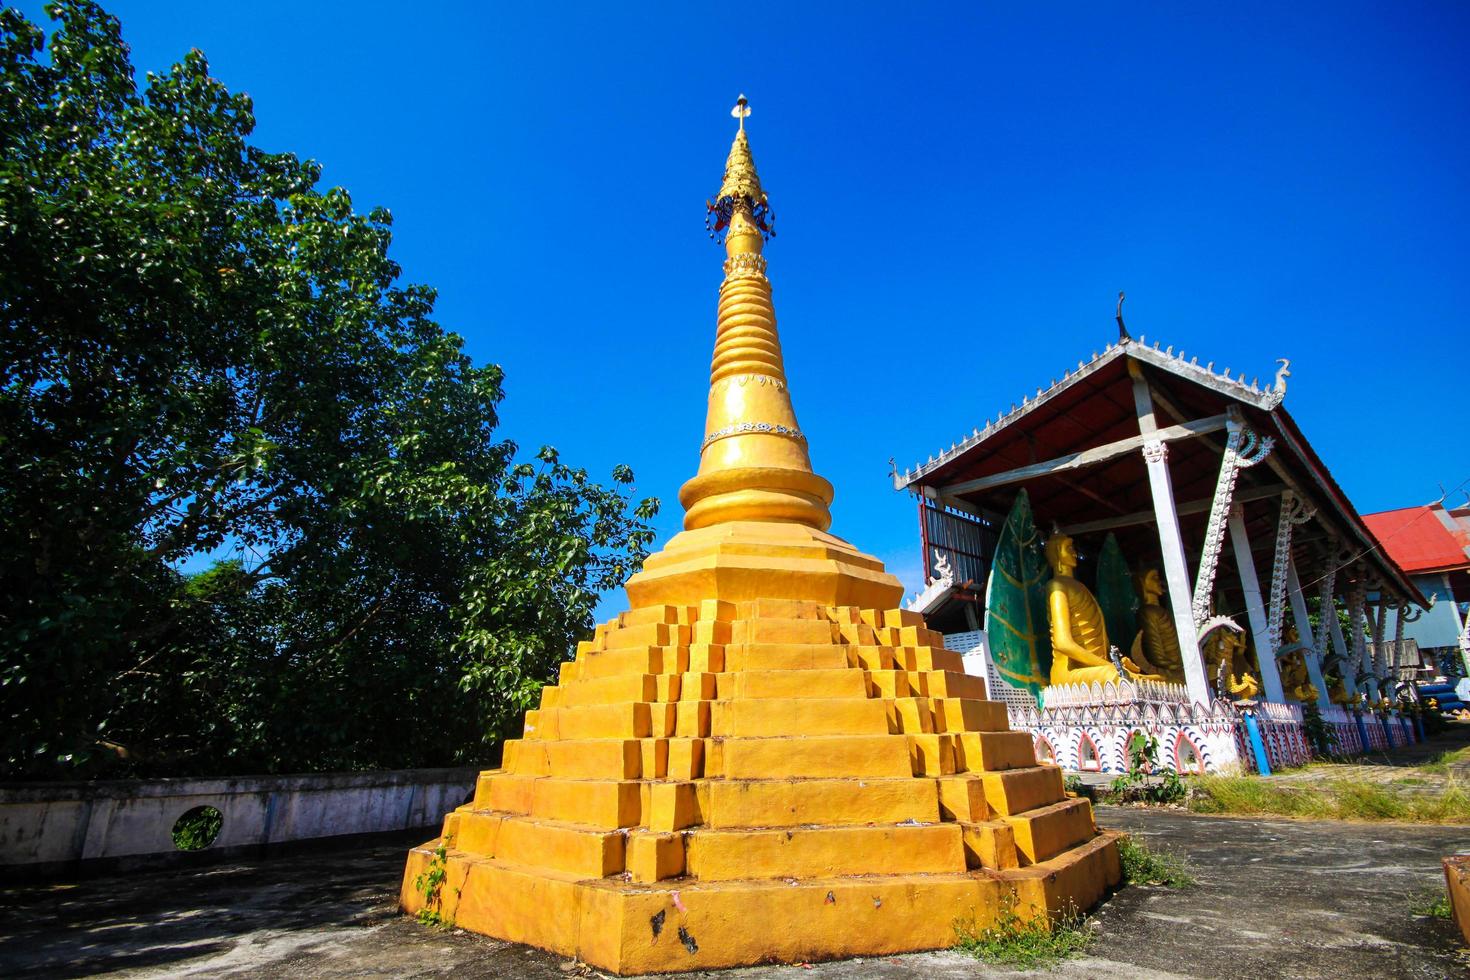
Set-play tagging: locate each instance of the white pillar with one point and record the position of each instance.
(1171, 542)
(1255, 608)
(1357, 616)
(1304, 630)
(1176, 571)
(1339, 646)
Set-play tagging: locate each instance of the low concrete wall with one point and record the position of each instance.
(57, 826)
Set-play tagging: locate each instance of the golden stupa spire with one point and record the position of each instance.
(753, 464)
(755, 515)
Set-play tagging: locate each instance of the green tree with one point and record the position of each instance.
(202, 351)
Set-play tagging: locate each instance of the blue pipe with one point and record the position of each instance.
(1362, 731)
(1253, 732)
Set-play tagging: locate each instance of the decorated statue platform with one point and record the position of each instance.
(765, 758)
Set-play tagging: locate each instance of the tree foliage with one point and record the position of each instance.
(203, 352)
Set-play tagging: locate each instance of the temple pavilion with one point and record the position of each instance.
(1192, 470)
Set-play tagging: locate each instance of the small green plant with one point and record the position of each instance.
(1141, 866)
(1322, 738)
(1072, 784)
(1028, 943)
(1135, 785)
(1434, 904)
(430, 884)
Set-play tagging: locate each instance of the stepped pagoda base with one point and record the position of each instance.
(732, 783)
(630, 928)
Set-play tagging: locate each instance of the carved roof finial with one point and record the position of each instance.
(1122, 330)
(741, 198)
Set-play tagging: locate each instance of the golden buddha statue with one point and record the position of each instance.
(1295, 680)
(1079, 637)
(1336, 688)
(1227, 646)
(1156, 647)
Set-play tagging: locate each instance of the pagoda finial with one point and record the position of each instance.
(741, 200)
(741, 110)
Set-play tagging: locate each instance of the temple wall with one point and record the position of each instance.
(51, 827)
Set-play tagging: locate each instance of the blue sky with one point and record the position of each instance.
(961, 191)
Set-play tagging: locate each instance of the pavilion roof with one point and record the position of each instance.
(1092, 406)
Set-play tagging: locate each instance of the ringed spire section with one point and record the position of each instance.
(753, 462)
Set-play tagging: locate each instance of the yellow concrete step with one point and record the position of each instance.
(577, 849)
(949, 684)
(1045, 832)
(994, 751)
(670, 615)
(592, 721)
(603, 690)
(912, 716)
(784, 656)
(615, 758)
(876, 756)
(807, 852)
(630, 660)
(782, 631)
(790, 716)
(1014, 791)
(648, 634)
(931, 754)
(792, 802)
(1074, 879)
(604, 803)
(875, 657)
(969, 715)
(990, 844)
(888, 684)
(843, 682)
(780, 609)
(930, 658)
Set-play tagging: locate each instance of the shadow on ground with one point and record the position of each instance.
(1275, 898)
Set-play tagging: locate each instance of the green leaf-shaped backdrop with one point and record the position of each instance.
(1015, 605)
(1116, 596)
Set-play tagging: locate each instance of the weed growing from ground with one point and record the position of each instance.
(1136, 786)
(430, 884)
(1027, 943)
(1142, 866)
(1434, 904)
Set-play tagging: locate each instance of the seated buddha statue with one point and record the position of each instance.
(1156, 647)
(1227, 646)
(1079, 637)
(1336, 688)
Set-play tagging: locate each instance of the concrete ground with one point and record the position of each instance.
(1275, 898)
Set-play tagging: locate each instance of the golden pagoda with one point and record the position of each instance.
(765, 758)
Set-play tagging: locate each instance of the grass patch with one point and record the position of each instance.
(1441, 763)
(1026, 943)
(1330, 799)
(1142, 866)
(1434, 904)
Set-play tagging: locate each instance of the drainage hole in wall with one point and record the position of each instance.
(197, 828)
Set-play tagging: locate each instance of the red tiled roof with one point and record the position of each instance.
(1417, 540)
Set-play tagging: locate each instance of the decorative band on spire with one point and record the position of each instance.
(740, 191)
